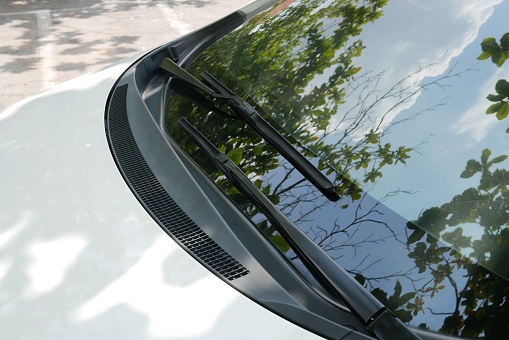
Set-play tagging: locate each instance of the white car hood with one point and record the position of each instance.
(79, 256)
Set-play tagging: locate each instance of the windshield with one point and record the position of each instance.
(406, 118)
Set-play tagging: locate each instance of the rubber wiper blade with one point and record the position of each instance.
(327, 272)
(257, 123)
(273, 137)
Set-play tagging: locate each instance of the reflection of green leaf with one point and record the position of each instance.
(489, 45)
(472, 168)
(502, 87)
(503, 111)
(396, 301)
(495, 98)
(274, 199)
(419, 256)
(361, 279)
(416, 235)
(356, 196)
(266, 189)
(436, 289)
(457, 239)
(432, 220)
(486, 153)
(439, 251)
(504, 42)
(258, 183)
(484, 55)
(493, 108)
(280, 242)
(498, 53)
(257, 150)
(484, 208)
(498, 159)
(235, 155)
(498, 59)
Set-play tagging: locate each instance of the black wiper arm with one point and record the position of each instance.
(171, 67)
(267, 132)
(332, 276)
(255, 121)
(189, 92)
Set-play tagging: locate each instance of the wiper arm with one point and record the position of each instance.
(257, 123)
(365, 306)
(171, 67)
(189, 92)
(267, 132)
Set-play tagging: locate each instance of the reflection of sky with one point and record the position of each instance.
(454, 132)
(478, 129)
(423, 40)
(434, 37)
(411, 35)
(372, 242)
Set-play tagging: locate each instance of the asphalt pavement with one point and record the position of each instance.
(46, 42)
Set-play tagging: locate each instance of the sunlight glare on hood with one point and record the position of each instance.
(50, 261)
(199, 298)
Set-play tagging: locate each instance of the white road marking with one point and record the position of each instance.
(46, 51)
(173, 19)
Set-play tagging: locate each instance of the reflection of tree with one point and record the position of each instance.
(475, 224)
(278, 60)
(374, 111)
(473, 268)
(498, 54)
(482, 301)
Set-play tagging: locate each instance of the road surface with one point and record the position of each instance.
(46, 42)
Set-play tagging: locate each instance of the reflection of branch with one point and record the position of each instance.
(406, 274)
(386, 277)
(360, 263)
(326, 240)
(285, 178)
(453, 284)
(348, 134)
(290, 187)
(436, 313)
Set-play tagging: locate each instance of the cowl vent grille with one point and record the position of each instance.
(156, 200)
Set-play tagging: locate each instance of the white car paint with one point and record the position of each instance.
(79, 256)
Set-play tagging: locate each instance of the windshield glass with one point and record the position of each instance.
(407, 118)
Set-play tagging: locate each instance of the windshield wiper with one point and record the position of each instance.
(257, 123)
(332, 276)
(189, 92)
(267, 132)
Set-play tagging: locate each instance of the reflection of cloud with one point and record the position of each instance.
(469, 122)
(412, 36)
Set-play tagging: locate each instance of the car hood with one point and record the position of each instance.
(79, 256)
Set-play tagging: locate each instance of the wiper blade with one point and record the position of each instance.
(365, 306)
(267, 132)
(257, 123)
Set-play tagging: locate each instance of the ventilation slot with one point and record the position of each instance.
(156, 199)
